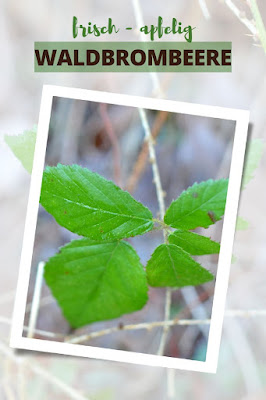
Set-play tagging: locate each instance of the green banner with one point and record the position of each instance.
(132, 57)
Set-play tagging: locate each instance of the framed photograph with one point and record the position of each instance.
(129, 229)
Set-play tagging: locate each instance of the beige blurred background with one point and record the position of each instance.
(242, 369)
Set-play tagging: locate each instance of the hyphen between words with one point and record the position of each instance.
(153, 30)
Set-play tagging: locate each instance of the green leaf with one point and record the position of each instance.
(89, 205)
(254, 154)
(169, 265)
(241, 224)
(233, 259)
(23, 147)
(94, 281)
(193, 243)
(201, 205)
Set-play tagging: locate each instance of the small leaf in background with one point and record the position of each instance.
(90, 205)
(241, 224)
(254, 154)
(233, 259)
(23, 147)
(169, 265)
(201, 205)
(193, 243)
(95, 281)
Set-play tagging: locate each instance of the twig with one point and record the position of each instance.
(259, 22)
(171, 384)
(45, 301)
(141, 162)
(140, 22)
(68, 390)
(245, 313)
(191, 296)
(242, 17)
(153, 161)
(157, 89)
(145, 325)
(244, 356)
(36, 299)
(5, 381)
(156, 324)
(113, 139)
(148, 326)
(7, 389)
(5, 320)
(204, 9)
(21, 382)
(160, 198)
(41, 332)
(45, 333)
(167, 308)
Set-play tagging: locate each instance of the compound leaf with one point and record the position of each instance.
(23, 147)
(193, 243)
(95, 281)
(170, 265)
(201, 205)
(90, 205)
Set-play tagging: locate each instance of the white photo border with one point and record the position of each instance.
(242, 120)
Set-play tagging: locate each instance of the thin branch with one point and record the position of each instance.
(140, 22)
(242, 17)
(167, 308)
(204, 9)
(45, 333)
(157, 90)
(114, 141)
(198, 311)
(21, 382)
(245, 313)
(145, 325)
(171, 384)
(40, 332)
(5, 383)
(160, 197)
(148, 326)
(45, 301)
(43, 373)
(244, 356)
(153, 161)
(5, 320)
(141, 162)
(174, 322)
(36, 299)
(259, 22)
